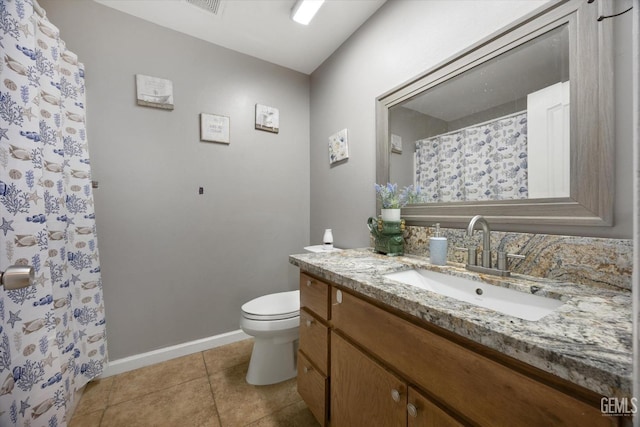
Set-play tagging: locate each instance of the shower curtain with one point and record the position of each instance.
(487, 161)
(52, 334)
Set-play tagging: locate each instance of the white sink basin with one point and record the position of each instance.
(503, 300)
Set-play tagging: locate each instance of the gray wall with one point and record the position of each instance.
(411, 126)
(177, 266)
(402, 40)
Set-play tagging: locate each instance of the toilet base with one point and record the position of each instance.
(272, 361)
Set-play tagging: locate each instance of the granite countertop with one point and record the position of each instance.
(587, 341)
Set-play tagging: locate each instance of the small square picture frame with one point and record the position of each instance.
(154, 92)
(214, 128)
(267, 118)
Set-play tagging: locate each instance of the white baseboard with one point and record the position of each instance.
(163, 354)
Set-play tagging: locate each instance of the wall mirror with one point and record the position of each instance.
(517, 128)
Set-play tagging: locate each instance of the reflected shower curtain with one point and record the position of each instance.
(52, 334)
(487, 161)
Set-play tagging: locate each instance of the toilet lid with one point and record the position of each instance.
(281, 305)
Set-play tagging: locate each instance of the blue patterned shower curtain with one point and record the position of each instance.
(52, 334)
(487, 161)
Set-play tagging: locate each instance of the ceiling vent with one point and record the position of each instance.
(211, 6)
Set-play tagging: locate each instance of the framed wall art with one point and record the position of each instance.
(338, 147)
(267, 118)
(396, 143)
(214, 128)
(154, 92)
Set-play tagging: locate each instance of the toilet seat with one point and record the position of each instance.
(270, 328)
(278, 306)
(283, 316)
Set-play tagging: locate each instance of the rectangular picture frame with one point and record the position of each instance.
(338, 147)
(154, 92)
(214, 128)
(396, 144)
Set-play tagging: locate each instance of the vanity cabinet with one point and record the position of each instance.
(364, 394)
(362, 363)
(473, 386)
(313, 350)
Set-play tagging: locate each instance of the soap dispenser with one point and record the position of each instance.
(438, 248)
(327, 239)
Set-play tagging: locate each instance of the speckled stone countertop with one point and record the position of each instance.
(586, 341)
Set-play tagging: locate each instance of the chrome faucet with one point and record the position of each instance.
(486, 238)
(502, 268)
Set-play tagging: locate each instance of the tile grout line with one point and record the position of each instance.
(104, 411)
(113, 387)
(140, 396)
(109, 403)
(213, 396)
(272, 413)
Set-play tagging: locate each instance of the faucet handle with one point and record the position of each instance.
(472, 255)
(503, 257)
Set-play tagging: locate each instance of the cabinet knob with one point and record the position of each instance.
(309, 322)
(412, 410)
(309, 282)
(306, 369)
(395, 395)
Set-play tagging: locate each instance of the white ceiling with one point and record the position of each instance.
(260, 28)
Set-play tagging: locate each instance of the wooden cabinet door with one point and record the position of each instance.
(363, 393)
(423, 413)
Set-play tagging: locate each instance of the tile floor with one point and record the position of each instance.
(205, 389)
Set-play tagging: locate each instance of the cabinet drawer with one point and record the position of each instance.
(312, 387)
(314, 295)
(314, 340)
(482, 389)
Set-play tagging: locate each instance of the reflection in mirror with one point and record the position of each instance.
(505, 193)
(498, 131)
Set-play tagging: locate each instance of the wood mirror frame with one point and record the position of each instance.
(591, 121)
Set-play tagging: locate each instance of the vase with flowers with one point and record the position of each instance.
(392, 200)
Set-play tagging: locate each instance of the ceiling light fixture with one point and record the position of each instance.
(304, 10)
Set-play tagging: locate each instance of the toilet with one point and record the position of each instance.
(273, 321)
